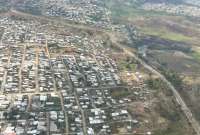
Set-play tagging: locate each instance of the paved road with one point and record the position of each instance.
(77, 101)
(37, 70)
(1, 43)
(5, 73)
(21, 68)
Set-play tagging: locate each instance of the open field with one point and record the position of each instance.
(177, 61)
(165, 34)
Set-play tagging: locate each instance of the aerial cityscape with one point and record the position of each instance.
(99, 67)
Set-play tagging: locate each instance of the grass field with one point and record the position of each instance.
(125, 66)
(166, 34)
(196, 56)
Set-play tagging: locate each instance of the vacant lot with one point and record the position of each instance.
(177, 61)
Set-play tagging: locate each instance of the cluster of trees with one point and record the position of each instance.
(173, 77)
(154, 83)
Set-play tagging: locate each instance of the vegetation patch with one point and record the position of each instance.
(129, 10)
(165, 34)
(196, 55)
(120, 93)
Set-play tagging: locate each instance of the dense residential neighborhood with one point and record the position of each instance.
(62, 84)
(99, 67)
